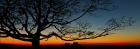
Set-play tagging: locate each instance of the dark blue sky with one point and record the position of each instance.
(129, 8)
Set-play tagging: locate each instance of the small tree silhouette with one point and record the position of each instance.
(34, 16)
(75, 45)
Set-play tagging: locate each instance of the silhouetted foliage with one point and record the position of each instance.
(34, 16)
(75, 45)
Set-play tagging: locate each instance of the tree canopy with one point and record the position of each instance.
(34, 16)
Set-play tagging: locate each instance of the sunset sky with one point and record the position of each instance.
(129, 35)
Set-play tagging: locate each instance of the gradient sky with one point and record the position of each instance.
(130, 8)
(128, 35)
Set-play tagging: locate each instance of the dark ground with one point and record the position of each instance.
(73, 46)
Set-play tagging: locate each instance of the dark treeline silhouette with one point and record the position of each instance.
(27, 19)
(73, 46)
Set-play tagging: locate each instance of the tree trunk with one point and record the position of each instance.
(35, 41)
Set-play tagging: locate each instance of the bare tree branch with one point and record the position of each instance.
(35, 16)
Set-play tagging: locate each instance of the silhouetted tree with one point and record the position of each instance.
(75, 45)
(26, 19)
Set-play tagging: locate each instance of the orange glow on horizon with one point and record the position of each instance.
(119, 40)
